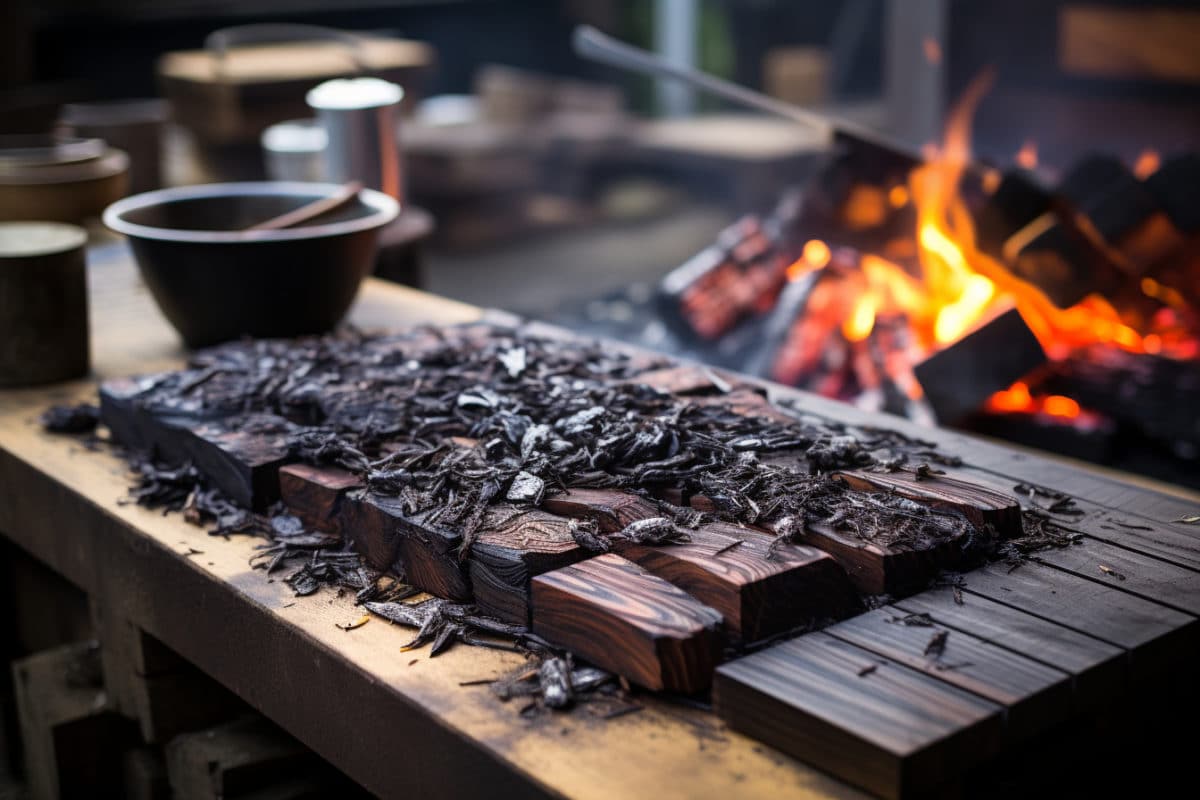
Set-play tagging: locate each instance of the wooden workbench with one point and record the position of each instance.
(397, 722)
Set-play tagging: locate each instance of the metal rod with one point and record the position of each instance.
(593, 45)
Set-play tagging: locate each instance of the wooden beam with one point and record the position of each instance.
(620, 617)
(315, 494)
(979, 504)
(514, 546)
(760, 593)
(611, 510)
(1035, 696)
(891, 730)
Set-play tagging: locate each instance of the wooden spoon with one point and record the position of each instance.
(308, 211)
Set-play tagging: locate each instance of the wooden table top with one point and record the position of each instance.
(398, 722)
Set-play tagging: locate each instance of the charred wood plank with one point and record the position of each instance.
(760, 591)
(1097, 668)
(314, 494)
(513, 546)
(1035, 696)
(880, 569)
(980, 504)
(893, 731)
(620, 617)
(1158, 639)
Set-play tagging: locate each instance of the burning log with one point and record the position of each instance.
(960, 378)
(760, 586)
(514, 546)
(981, 505)
(621, 618)
(1019, 199)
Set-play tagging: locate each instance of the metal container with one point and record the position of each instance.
(295, 150)
(361, 118)
(43, 303)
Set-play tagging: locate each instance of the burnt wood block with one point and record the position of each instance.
(612, 510)
(1065, 257)
(1176, 188)
(759, 593)
(960, 378)
(869, 721)
(314, 494)
(982, 505)
(390, 538)
(244, 463)
(620, 617)
(880, 569)
(118, 410)
(513, 546)
(1019, 199)
(1035, 696)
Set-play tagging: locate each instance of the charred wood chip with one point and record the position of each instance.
(654, 530)
(937, 644)
(526, 488)
(586, 534)
(910, 620)
(81, 418)
(554, 679)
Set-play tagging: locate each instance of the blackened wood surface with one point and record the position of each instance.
(611, 510)
(390, 538)
(1159, 639)
(1097, 668)
(512, 547)
(981, 505)
(869, 721)
(760, 592)
(619, 616)
(314, 494)
(1034, 695)
(878, 569)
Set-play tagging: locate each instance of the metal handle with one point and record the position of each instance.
(596, 46)
(219, 41)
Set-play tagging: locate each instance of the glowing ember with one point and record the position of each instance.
(1027, 156)
(861, 320)
(1148, 162)
(1058, 406)
(815, 255)
(1017, 400)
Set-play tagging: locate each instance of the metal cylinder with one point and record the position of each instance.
(43, 303)
(361, 117)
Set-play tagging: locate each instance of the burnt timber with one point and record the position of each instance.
(126, 555)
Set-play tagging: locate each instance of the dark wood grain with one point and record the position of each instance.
(612, 510)
(879, 569)
(1034, 695)
(759, 592)
(687, 379)
(513, 546)
(1097, 668)
(748, 402)
(867, 720)
(980, 504)
(619, 616)
(390, 538)
(1159, 639)
(314, 494)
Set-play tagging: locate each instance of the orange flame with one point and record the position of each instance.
(957, 286)
(1148, 162)
(1027, 156)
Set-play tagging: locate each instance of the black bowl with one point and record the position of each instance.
(215, 282)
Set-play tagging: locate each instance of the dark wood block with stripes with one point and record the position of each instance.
(314, 494)
(980, 504)
(390, 538)
(1034, 695)
(869, 721)
(242, 463)
(1160, 640)
(760, 593)
(879, 569)
(611, 510)
(1097, 668)
(620, 617)
(513, 546)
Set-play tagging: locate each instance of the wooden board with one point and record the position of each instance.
(1097, 668)
(760, 593)
(1035, 696)
(315, 494)
(610, 510)
(870, 721)
(619, 616)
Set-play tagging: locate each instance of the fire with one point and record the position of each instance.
(1148, 162)
(955, 286)
(815, 255)
(1017, 399)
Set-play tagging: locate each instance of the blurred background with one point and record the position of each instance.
(613, 203)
